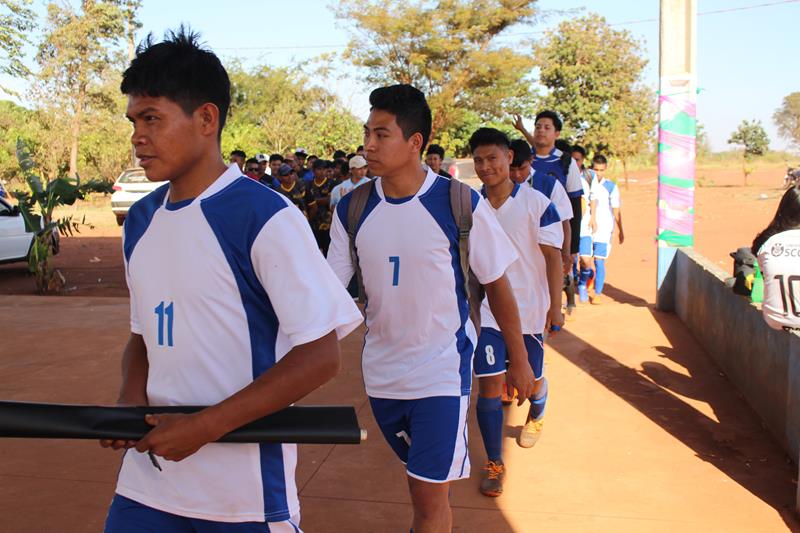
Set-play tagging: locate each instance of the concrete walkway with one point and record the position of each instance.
(642, 433)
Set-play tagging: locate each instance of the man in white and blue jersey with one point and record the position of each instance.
(218, 316)
(605, 216)
(549, 160)
(533, 225)
(585, 243)
(417, 359)
(521, 171)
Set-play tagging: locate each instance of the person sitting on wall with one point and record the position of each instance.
(778, 252)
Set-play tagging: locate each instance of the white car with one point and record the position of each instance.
(131, 185)
(15, 241)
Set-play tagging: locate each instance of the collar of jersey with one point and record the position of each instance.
(514, 191)
(430, 179)
(555, 152)
(231, 174)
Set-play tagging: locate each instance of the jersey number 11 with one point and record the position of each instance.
(169, 312)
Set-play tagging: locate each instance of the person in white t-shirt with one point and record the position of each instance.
(218, 317)
(778, 252)
(533, 224)
(357, 177)
(417, 359)
(606, 215)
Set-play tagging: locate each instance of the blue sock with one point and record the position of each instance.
(586, 275)
(538, 402)
(600, 265)
(490, 421)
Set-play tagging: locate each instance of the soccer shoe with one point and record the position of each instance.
(492, 482)
(583, 294)
(530, 433)
(597, 299)
(505, 398)
(590, 283)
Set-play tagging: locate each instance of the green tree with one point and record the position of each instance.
(787, 118)
(593, 75)
(77, 50)
(16, 122)
(449, 50)
(277, 109)
(750, 135)
(16, 21)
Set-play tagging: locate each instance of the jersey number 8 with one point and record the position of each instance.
(490, 359)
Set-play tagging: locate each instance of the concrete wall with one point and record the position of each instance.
(763, 363)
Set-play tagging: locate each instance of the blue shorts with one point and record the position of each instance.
(428, 434)
(588, 248)
(128, 516)
(601, 250)
(585, 246)
(491, 355)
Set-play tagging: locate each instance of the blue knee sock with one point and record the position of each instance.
(586, 275)
(538, 402)
(600, 266)
(490, 421)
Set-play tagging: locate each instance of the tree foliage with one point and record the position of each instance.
(278, 109)
(449, 50)
(78, 55)
(16, 21)
(593, 75)
(750, 135)
(787, 118)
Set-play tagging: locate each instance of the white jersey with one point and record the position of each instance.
(214, 292)
(529, 219)
(419, 340)
(586, 202)
(549, 185)
(606, 193)
(779, 261)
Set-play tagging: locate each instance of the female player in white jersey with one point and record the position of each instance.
(417, 359)
(778, 252)
(218, 316)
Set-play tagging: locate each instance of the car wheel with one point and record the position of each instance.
(120, 219)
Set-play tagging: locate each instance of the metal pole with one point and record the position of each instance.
(677, 129)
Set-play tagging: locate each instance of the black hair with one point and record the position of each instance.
(522, 152)
(487, 136)
(580, 149)
(563, 145)
(179, 69)
(240, 153)
(319, 163)
(599, 159)
(360, 148)
(309, 158)
(276, 157)
(435, 149)
(787, 217)
(409, 107)
(251, 160)
(339, 154)
(344, 168)
(350, 156)
(552, 115)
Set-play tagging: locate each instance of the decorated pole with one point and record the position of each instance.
(677, 128)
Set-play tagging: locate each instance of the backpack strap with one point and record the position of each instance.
(461, 206)
(358, 202)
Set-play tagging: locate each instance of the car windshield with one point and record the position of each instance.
(133, 176)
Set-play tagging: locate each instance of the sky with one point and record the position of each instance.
(742, 73)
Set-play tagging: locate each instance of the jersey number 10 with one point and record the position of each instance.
(789, 293)
(161, 312)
